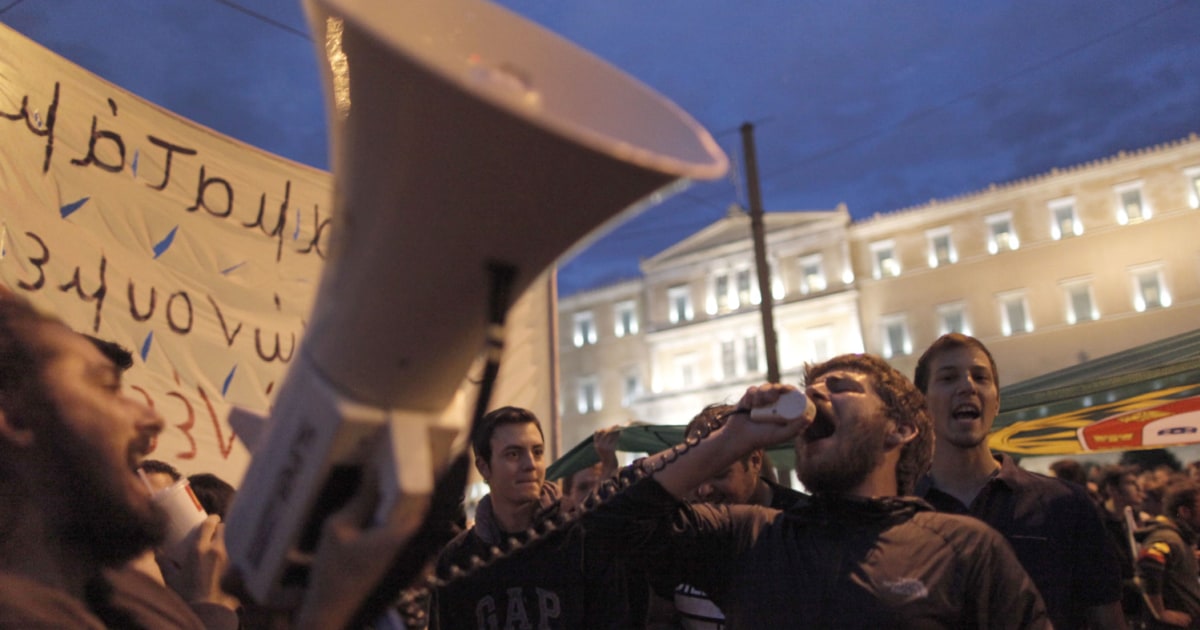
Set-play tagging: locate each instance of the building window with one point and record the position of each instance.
(625, 319)
(1149, 288)
(953, 318)
(778, 291)
(1064, 222)
(941, 248)
(719, 301)
(1131, 207)
(1193, 181)
(746, 290)
(750, 347)
(812, 274)
(1081, 307)
(588, 396)
(680, 304)
(884, 261)
(585, 329)
(631, 388)
(821, 343)
(1001, 235)
(1014, 314)
(686, 368)
(896, 340)
(728, 358)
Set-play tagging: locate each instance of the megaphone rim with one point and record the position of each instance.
(387, 31)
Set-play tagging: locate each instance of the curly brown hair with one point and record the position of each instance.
(904, 404)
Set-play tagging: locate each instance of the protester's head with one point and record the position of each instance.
(1180, 502)
(958, 376)
(867, 414)
(70, 441)
(579, 484)
(736, 484)
(213, 493)
(1069, 470)
(1120, 485)
(159, 474)
(510, 454)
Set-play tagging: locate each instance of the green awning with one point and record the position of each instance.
(646, 438)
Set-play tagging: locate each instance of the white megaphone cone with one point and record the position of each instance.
(463, 138)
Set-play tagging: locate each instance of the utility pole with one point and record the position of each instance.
(766, 304)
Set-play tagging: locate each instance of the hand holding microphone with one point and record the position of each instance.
(791, 406)
(774, 413)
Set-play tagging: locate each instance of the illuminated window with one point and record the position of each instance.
(728, 358)
(1014, 314)
(745, 295)
(821, 343)
(686, 371)
(720, 301)
(953, 318)
(941, 248)
(1193, 181)
(679, 299)
(1081, 307)
(625, 319)
(1131, 207)
(751, 352)
(896, 340)
(585, 329)
(883, 258)
(1064, 222)
(588, 399)
(1001, 235)
(812, 274)
(632, 388)
(1149, 288)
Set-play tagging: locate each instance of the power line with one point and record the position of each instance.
(263, 18)
(10, 5)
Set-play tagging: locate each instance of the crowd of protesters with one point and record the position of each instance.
(907, 519)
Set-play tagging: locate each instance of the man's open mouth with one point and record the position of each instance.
(966, 412)
(822, 427)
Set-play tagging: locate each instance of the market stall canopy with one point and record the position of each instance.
(1141, 398)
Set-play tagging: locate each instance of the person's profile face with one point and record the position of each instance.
(962, 396)
(96, 437)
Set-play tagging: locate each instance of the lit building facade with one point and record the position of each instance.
(1047, 271)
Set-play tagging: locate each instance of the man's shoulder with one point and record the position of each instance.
(958, 530)
(27, 603)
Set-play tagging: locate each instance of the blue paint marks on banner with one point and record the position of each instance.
(164, 244)
(296, 232)
(70, 208)
(229, 270)
(228, 380)
(146, 345)
(134, 164)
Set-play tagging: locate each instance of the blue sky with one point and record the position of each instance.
(881, 105)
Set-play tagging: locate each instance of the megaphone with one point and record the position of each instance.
(462, 137)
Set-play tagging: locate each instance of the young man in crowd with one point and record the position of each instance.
(556, 583)
(1053, 526)
(1120, 489)
(855, 555)
(1168, 558)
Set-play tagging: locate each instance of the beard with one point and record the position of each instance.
(843, 469)
(94, 510)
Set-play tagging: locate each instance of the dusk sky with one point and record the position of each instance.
(881, 105)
